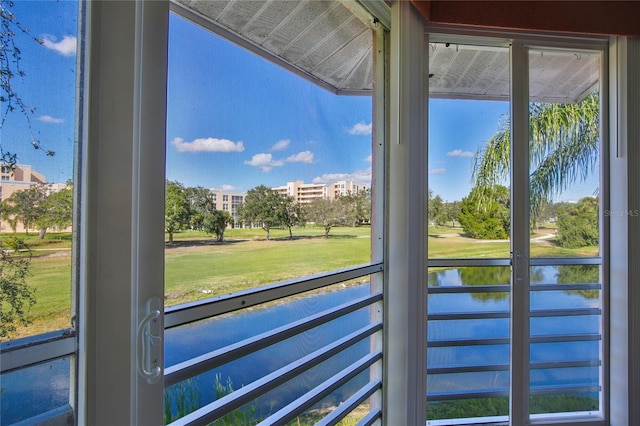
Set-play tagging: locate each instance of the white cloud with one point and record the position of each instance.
(65, 47)
(264, 162)
(360, 128)
(228, 188)
(281, 145)
(369, 159)
(207, 145)
(459, 153)
(438, 171)
(50, 119)
(362, 177)
(301, 157)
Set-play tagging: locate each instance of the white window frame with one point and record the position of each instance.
(121, 238)
(404, 323)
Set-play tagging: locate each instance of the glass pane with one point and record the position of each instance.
(469, 217)
(268, 174)
(468, 209)
(468, 342)
(564, 121)
(565, 300)
(38, 110)
(39, 389)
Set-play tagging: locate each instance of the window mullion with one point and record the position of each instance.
(519, 327)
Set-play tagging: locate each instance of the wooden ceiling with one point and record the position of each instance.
(584, 17)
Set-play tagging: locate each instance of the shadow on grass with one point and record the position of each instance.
(310, 237)
(199, 243)
(203, 242)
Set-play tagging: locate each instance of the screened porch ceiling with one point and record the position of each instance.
(330, 43)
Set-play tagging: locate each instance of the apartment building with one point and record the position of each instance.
(305, 193)
(228, 201)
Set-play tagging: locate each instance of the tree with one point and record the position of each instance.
(27, 205)
(563, 148)
(326, 213)
(216, 223)
(578, 223)
(484, 213)
(56, 212)
(261, 205)
(16, 296)
(451, 212)
(176, 215)
(291, 213)
(436, 210)
(357, 207)
(201, 203)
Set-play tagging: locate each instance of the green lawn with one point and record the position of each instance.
(197, 267)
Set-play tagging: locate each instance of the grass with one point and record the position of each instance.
(197, 267)
(219, 268)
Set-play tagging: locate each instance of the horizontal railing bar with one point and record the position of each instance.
(194, 366)
(565, 287)
(22, 353)
(445, 263)
(505, 367)
(350, 404)
(318, 393)
(246, 394)
(565, 338)
(466, 342)
(505, 314)
(543, 390)
(506, 288)
(194, 311)
(446, 396)
(563, 261)
(372, 416)
(468, 369)
(538, 313)
(565, 364)
(58, 416)
(535, 261)
(468, 315)
(498, 288)
(505, 340)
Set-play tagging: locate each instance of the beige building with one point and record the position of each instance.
(228, 201)
(305, 193)
(19, 178)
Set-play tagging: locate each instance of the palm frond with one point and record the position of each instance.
(563, 148)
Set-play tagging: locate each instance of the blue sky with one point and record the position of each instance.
(234, 120)
(48, 86)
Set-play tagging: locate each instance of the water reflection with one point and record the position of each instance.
(501, 275)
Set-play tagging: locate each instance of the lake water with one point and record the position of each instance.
(48, 384)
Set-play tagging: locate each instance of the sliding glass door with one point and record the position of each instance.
(515, 308)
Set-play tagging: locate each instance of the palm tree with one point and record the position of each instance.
(563, 148)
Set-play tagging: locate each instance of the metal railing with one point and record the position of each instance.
(248, 393)
(574, 361)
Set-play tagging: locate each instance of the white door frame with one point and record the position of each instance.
(123, 109)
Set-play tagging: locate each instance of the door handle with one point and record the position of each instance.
(521, 265)
(149, 339)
